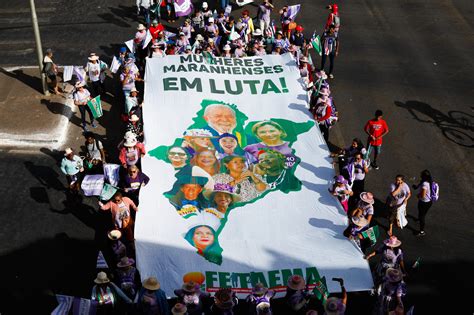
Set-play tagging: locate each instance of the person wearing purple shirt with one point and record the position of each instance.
(133, 181)
(271, 135)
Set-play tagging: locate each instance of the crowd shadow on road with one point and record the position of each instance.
(31, 81)
(456, 126)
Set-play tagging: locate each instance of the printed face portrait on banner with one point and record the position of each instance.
(220, 118)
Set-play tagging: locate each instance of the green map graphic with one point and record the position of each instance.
(222, 163)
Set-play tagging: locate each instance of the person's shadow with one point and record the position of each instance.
(31, 81)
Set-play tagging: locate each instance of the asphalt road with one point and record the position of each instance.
(410, 58)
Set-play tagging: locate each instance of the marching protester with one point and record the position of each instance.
(151, 300)
(297, 295)
(193, 298)
(72, 166)
(428, 192)
(81, 97)
(51, 70)
(133, 181)
(95, 71)
(397, 202)
(259, 301)
(109, 297)
(224, 301)
(95, 154)
(330, 49)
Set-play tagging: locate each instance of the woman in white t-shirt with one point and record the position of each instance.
(424, 199)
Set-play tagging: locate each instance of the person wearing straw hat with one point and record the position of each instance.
(192, 297)
(226, 51)
(122, 220)
(366, 204)
(179, 309)
(107, 295)
(334, 306)
(151, 300)
(187, 192)
(135, 126)
(81, 96)
(131, 152)
(392, 292)
(127, 276)
(72, 166)
(297, 295)
(224, 302)
(391, 257)
(95, 70)
(117, 247)
(259, 300)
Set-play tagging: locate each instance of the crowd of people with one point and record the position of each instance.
(221, 34)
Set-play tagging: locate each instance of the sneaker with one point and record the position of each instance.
(374, 165)
(93, 125)
(421, 233)
(85, 129)
(331, 76)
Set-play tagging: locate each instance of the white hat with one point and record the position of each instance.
(304, 59)
(321, 74)
(211, 20)
(129, 135)
(199, 37)
(226, 47)
(257, 32)
(134, 118)
(114, 235)
(189, 47)
(93, 57)
(204, 5)
(206, 217)
(78, 84)
(181, 34)
(130, 142)
(133, 90)
(67, 151)
(141, 27)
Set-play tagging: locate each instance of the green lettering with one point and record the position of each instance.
(257, 277)
(277, 68)
(203, 68)
(211, 277)
(268, 69)
(214, 90)
(193, 67)
(238, 85)
(181, 68)
(246, 70)
(224, 280)
(215, 69)
(170, 68)
(248, 62)
(243, 280)
(170, 84)
(312, 275)
(258, 62)
(252, 84)
(185, 58)
(238, 62)
(257, 71)
(269, 86)
(274, 278)
(236, 70)
(196, 84)
(227, 61)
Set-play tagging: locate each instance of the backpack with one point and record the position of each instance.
(434, 193)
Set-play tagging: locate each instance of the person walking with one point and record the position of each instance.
(330, 46)
(397, 201)
(376, 128)
(72, 166)
(425, 195)
(95, 70)
(51, 70)
(81, 97)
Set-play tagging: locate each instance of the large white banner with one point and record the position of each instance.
(239, 180)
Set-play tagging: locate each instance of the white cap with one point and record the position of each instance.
(204, 5)
(211, 20)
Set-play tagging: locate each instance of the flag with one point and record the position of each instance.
(101, 263)
(293, 11)
(271, 29)
(241, 3)
(65, 303)
(82, 307)
(214, 15)
(67, 73)
(227, 10)
(130, 45)
(95, 106)
(80, 73)
(372, 234)
(321, 289)
(210, 59)
(169, 34)
(183, 7)
(316, 43)
(148, 38)
(115, 65)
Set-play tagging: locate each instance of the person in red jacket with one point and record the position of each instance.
(155, 29)
(322, 116)
(333, 18)
(376, 128)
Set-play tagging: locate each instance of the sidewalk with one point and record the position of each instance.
(27, 117)
(31, 120)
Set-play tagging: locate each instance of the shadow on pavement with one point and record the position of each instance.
(31, 81)
(456, 126)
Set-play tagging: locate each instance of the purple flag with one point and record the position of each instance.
(293, 11)
(183, 7)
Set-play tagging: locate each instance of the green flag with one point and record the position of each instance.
(372, 234)
(95, 106)
(316, 42)
(210, 59)
(321, 289)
